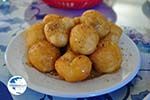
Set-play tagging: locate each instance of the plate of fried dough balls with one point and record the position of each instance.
(84, 56)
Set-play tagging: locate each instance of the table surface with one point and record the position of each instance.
(129, 15)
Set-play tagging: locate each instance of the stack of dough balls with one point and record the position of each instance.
(90, 40)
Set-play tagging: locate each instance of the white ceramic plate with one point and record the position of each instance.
(16, 63)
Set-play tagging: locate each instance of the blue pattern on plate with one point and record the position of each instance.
(140, 96)
(38, 16)
(13, 20)
(5, 29)
(143, 42)
(3, 48)
(45, 97)
(6, 8)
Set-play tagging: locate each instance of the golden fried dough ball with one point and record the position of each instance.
(57, 32)
(97, 20)
(73, 67)
(83, 39)
(34, 33)
(51, 17)
(43, 55)
(114, 34)
(107, 58)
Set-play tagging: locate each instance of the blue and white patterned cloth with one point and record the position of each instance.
(13, 19)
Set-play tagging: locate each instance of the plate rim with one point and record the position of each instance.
(79, 95)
